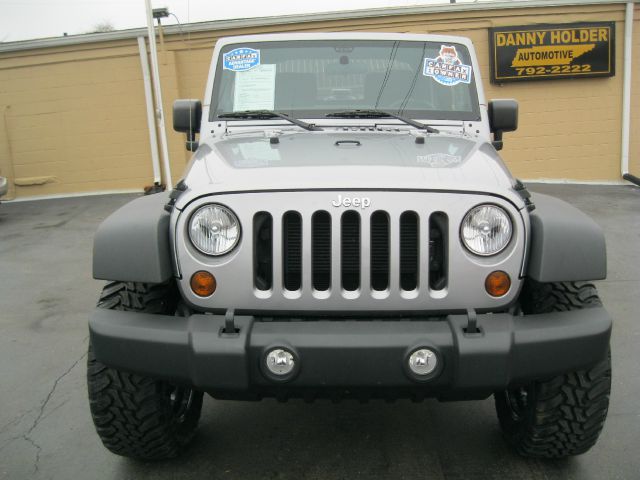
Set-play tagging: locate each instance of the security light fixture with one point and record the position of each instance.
(159, 13)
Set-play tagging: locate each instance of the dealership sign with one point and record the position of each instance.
(543, 52)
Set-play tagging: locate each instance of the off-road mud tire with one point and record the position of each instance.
(557, 297)
(134, 415)
(564, 415)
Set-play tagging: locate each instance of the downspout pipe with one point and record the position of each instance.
(151, 123)
(158, 97)
(626, 95)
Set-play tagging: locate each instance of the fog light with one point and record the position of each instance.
(423, 361)
(280, 362)
(203, 283)
(497, 283)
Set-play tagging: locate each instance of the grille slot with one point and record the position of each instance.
(350, 250)
(438, 228)
(379, 250)
(321, 250)
(292, 250)
(409, 251)
(263, 251)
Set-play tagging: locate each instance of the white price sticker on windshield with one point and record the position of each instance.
(255, 89)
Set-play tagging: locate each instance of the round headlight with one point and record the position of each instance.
(486, 230)
(214, 229)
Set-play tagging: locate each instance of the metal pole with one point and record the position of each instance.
(158, 95)
(151, 124)
(626, 89)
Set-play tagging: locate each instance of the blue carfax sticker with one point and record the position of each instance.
(241, 59)
(447, 69)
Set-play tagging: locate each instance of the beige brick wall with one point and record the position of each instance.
(73, 118)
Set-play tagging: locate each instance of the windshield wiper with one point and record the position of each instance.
(264, 114)
(381, 114)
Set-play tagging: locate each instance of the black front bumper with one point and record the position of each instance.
(351, 356)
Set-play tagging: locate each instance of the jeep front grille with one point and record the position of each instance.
(303, 252)
(360, 245)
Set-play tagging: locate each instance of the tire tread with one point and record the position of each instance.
(566, 413)
(130, 411)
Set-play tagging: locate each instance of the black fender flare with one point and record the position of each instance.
(132, 244)
(565, 244)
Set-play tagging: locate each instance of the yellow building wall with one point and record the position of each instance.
(75, 121)
(73, 118)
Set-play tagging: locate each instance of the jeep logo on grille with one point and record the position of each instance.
(358, 202)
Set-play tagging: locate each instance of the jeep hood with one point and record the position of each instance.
(347, 160)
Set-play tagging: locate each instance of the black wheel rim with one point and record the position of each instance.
(180, 401)
(518, 401)
(180, 398)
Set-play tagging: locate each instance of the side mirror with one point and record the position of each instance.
(503, 117)
(187, 115)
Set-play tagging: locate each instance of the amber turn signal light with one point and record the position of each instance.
(203, 283)
(497, 283)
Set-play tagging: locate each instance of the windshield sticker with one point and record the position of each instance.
(446, 68)
(255, 89)
(241, 59)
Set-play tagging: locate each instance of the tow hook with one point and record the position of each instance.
(472, 328)
(230, 329)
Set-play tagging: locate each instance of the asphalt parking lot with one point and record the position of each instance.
(46, 292)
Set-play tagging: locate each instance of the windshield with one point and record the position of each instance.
(311, 79)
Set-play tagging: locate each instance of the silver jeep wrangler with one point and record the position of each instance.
(347, 229)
